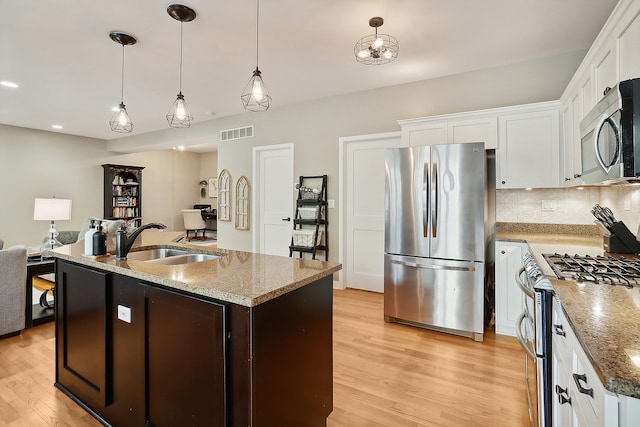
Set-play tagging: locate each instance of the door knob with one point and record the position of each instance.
(288, 219)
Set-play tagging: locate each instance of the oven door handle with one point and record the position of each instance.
(528, 292)
(527, 347)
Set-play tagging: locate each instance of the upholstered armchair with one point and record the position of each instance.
(13, 276)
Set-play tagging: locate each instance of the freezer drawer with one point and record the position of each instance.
(435, 293)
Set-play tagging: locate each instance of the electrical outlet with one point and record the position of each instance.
(331, 203)
(548, 205)
(124, 313)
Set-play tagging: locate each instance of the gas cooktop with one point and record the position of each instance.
(597, 269)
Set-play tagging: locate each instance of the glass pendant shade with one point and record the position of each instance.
(120, 121)
(376, 49)
(179, 115)
(255, 96)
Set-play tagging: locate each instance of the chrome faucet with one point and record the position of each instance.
(124, 242)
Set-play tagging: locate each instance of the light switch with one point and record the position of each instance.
(124, 313)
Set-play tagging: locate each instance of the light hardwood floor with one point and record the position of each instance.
(385, 375)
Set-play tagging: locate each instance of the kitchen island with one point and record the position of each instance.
(240, 340)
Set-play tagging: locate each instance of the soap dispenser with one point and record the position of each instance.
(99, 241)
(88, 238)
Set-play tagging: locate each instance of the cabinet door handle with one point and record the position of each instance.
(582, 377)
(563, 395)
(288, 219)
(559, 330)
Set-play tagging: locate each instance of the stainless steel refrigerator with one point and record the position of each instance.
(434, 258)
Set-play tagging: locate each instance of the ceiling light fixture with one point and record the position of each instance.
(120, 121)
(12, 85)
(376, 49)
(255, 96)
(179, 115)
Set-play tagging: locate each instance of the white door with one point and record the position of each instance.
(273, 198)
(364, 203)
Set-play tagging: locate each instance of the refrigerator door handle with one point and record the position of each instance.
(425, 205)
(431, 267)
(434, 200)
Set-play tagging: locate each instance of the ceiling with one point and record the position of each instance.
(68, 69)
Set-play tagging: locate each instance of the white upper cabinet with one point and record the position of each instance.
(483, 129)
(605, 69)
(612, 57)
(417, 133)
(475, 126)
(629, 45)
(529, 147)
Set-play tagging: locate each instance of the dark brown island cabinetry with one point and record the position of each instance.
(134, 353)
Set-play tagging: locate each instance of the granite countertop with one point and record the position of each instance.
(243, 278)
(605, 318)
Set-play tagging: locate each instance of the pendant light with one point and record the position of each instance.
(179, 115)
(120, 121)
(376, 49)
(255, 96)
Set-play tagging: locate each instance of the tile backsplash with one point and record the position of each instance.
(568, 205)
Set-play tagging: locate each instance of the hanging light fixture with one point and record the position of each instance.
(255, 96)
(120, 121)
(179, 115)
(376, 49)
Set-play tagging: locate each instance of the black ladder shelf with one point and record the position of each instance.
(311, 211)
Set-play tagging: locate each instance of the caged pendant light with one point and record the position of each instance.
(255, 96)
(376, 49)
(120, 121)
(179, 115)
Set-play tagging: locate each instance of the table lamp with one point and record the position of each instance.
(51, 210)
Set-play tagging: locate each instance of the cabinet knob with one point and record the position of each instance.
(577, 175)
(567, 179)
(504, 182)
(502, 252)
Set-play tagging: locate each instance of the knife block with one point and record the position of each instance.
(621, 240)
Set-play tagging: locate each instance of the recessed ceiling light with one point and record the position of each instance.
(9, 84)
(179, 148)
(56, 126)
(210, 113)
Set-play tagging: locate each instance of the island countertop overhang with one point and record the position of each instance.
(238, 277)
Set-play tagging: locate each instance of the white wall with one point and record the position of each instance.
(314, 128)
(35, 163)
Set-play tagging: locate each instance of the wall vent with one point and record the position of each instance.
(238, 133)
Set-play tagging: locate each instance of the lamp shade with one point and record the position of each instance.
(52, 209)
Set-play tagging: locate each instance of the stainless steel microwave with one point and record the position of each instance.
(610, 137)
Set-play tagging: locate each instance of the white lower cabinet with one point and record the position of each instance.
(509, 298)
(579, 398)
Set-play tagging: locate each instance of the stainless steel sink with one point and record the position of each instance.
(168, 256)
(183, 259)
(155, 254)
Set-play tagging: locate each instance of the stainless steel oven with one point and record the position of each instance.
(532, 329)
